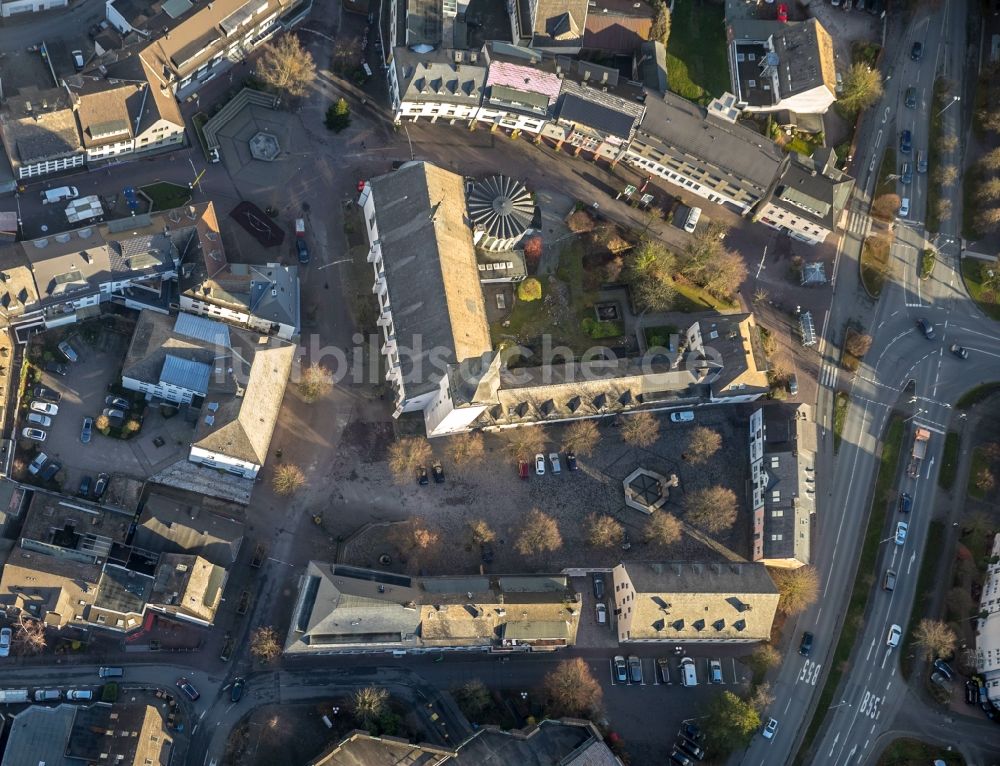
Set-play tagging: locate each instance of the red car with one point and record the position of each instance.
(361, 185)
(783, 13)
(522, 469)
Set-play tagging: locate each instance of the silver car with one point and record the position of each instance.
(87, 430)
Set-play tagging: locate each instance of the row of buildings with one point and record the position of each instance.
(346, 609)
(125, 101)
(987, 657)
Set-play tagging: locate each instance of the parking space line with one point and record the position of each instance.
(611, 664)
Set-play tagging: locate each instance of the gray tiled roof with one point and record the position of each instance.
(601, 117)
(188, 374)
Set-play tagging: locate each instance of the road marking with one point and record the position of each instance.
(834, 745)
(787, 705)
(913, 557)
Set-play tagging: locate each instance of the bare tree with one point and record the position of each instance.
(466, 449)
(727, 276)
(265, 644)
(944, 208)
(29, 637)
(473, 698)
(947, 143)
(988, 190)
(797, 588)
(315, 383)
(885, 206)
(988, 220)
(523, 443)
(985, 480)
(990, 160)
(947, 175)
(641, 429)
(862, 88)
(935, 639)
(414, 535)
(406, 456)
(761, 698)
(370, 704)
(603, 531)
(581, 437)
(856, 343)
(660, 29)
(572, 690)
(287, 66)
(481, 532)
(702, 444)
(662, 530)
(650, 276)
(288, 478)
(539, 534)
(764, 658)
(712, 509)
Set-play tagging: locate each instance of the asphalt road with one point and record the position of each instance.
(872, 694)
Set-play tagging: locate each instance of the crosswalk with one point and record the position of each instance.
(828, 375)
(859, 223)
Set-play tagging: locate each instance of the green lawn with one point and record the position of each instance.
(949, 460)
(166, 196)
(697, 66)
(971, 275)
(864, 580)
(912, 752)
(885, 184)
(692, 298)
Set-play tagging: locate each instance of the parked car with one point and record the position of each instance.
(540, 464)
(663, 668)
(101, 484)
(86, 431)
(113, 414)
(971, 693)
(690, 748)
(5, 636)
(940, 680)
(554, 459)
(904, 207)
(783, 13)
(715, 672)
(601, 614)
(599, 586)
(185, 686)
(621, 671)
(35, 434)
(682, 417)
(49, 470)
(770, 728)
(85, 487)
(422, 479)
(56, 368)
(79, 694)
(901, 527)
(906, 142)
(680, 758)
(926, 328)
(437, 471)
(46, 394)
(302, 250)
(960, 351)
(635, 669)
(46, 408)
(39, 420)
(917, 51)
(944, 668)
(895, 632)
(571, 462)
(78, 60)
(522, 469)
(693, 733)
(806, 645)
(68, 351)
(905, 502)
(118, 403)
(237, 691)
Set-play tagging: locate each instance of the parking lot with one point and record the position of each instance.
(666, 671)
(82, 392)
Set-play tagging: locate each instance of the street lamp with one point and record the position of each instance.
(841, 703)
(953, 100)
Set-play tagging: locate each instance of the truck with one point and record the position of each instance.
(13, 696)
(258, 556)
(301, 248)
(920, 441)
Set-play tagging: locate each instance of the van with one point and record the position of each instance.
(79, 694)
(682, 417)
(689, 676)
(111, 672)
(694, 215)
(57, 195)
(47, 695)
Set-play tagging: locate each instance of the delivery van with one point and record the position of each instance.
(59, 194)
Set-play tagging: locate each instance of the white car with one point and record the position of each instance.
(39, 420)
(770, 728)
(35, 434)
(901, 528)
(892, 640)
(5, 636)
(46, 408)
(540, 464)
(602, 614)
(682, 417)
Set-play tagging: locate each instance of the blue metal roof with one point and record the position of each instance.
(186, 374)
(200, 328)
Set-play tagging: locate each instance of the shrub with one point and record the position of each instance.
(529, 290)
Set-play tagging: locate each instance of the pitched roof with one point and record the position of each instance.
(103, 114)
(812, 188)
(430, 270)
(585, 106)
(188, 586)
(559, 23)
(188, 522)
(49, 588)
